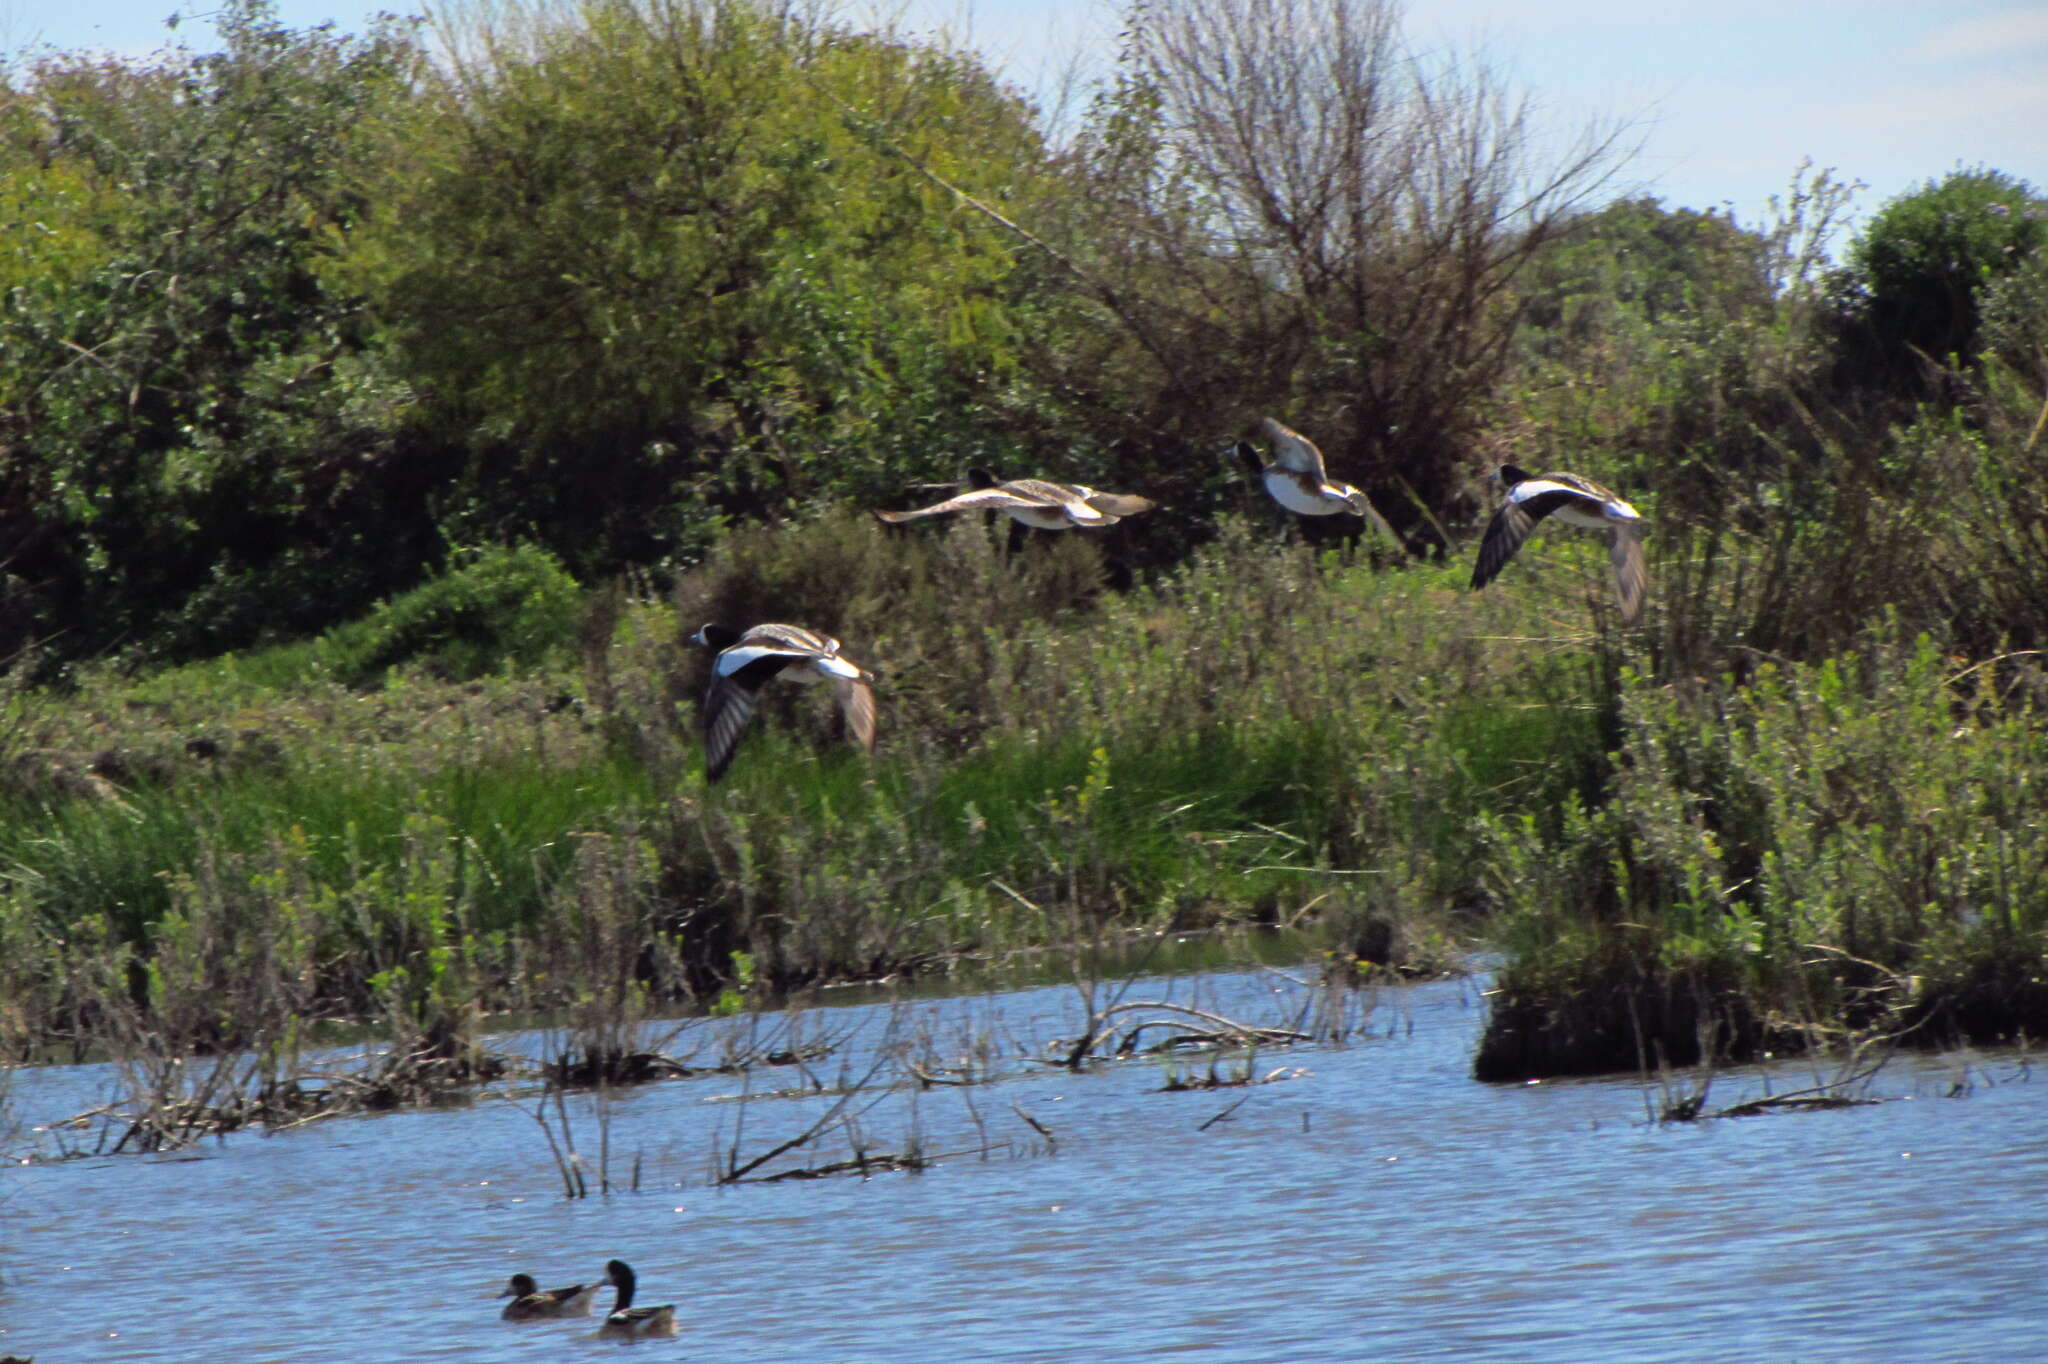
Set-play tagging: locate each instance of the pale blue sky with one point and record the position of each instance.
(1726, 97)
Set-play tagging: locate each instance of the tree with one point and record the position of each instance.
(168, 355)
(1323, 225)
(1635, 262)
(658, 260)
(1918, 274)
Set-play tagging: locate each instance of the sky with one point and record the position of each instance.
(1725, 99)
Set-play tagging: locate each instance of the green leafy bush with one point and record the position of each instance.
(168, 416)
(1921, 267)
(1839, 847)
(652, 256)
(495, 608)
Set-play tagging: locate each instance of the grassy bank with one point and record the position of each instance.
(1266, 737)
(1848, 850)
(1677, 867)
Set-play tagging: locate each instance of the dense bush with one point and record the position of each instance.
(1857, 845)
(764, 301)
(1919, 271)
(1266, 737)
(174, 379)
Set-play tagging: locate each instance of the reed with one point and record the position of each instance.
(1829, 850)
(1210, 749)
(1269, 735)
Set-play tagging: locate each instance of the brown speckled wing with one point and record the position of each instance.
(1631, 578)
(1292, 450)
(857, 700)
(1119, 504)
(993, 499)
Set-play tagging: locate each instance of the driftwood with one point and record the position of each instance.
(862, 1165)
(1220, 1031)
(1792, 1103)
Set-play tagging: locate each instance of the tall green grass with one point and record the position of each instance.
(1269, 735)
(1674, 863)
(1852, 847)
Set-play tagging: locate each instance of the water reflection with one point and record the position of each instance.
(1377, 1205)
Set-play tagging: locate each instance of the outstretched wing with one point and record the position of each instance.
(990, 499)
(728, 707)
(1593, 492)
(1117, 504)
(857, 700)
(1631, 578)
(800, 642)
(1504, 535)
(1513, 522)
(1075, 502)
(736, 682)
(1292, 450)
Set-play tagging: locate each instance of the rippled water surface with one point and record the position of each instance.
(1376, 1205)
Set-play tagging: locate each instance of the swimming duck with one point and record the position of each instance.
(1298, 481)
(628, 1320)
(745, 662)
(1033, 502)
(531, 1303)
(1577, 502)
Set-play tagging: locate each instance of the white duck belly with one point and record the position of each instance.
(1289, 493)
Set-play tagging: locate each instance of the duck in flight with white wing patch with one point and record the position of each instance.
(1575, 501)
(1298, 481)
(748, 659)
(1035, 502)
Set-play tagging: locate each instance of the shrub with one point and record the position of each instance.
(169, 416)
(1834, 848)
(1921, 267)
(491, 609)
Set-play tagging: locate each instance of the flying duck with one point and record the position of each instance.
(531, 1303)
(1033, 502)
(1575, 501)
(745, 662)
(1298, 481)
(626, 1319)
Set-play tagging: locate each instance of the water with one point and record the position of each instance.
(1378, 1205)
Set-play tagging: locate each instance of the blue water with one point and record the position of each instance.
(1374, 1203)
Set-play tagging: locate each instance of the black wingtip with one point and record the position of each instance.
(1494, 553)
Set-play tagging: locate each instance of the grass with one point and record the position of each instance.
(1828, 854)
(1077, 772)
(1675, 865)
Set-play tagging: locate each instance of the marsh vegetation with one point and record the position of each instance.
(343, 588)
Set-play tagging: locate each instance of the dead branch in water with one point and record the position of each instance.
(1221, 1032)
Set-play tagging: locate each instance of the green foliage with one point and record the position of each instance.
(491, 610)
(1922, 265)
(2015, 322)
(496, 608)
(655, 282)
(1838, 846)
(1677, 351)
(763, 300)
(1637, 264)
(168, 412)
(1266, 737)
